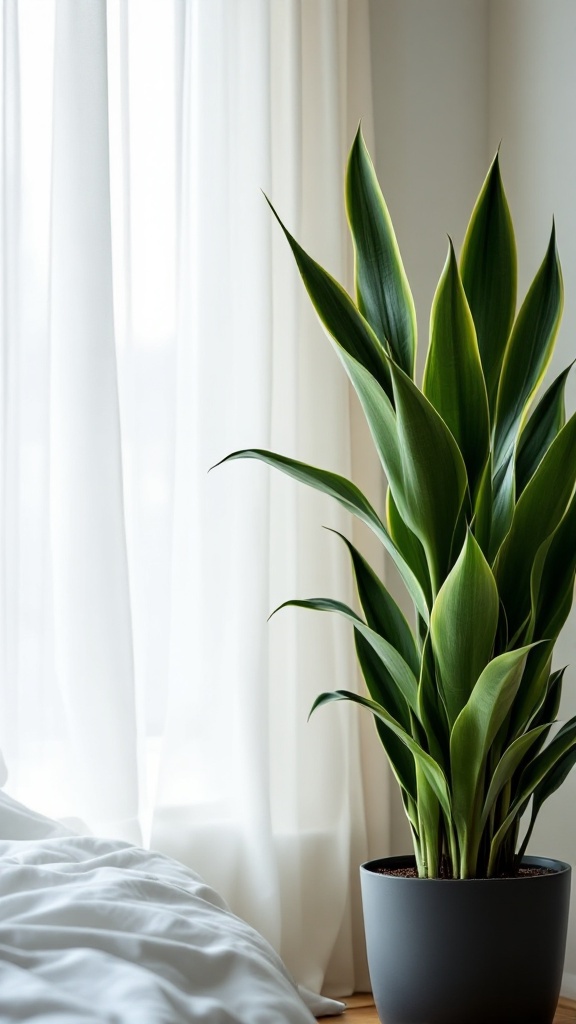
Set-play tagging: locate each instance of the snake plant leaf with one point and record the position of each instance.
(503, 504)
(552, 578)
(510, 761)
(380, 417)
(472, 736)
(481, 524)
(529, 351)
(526, 630)
(453, 378)
(489, 275)
(463, 626)
(411, 813)
(533, 688)
(381, 420)
(383, 424)
(382, 289)
(429, 823)
(552, 781)
(555, 591)
(384, 691)
(338, 313)
(555, 568)
(537, 770)
(409, 546)
(544, 424)
(508, 764)
(380, 683)
(549, 769)
(563, 745)
(555, 777)
(400, 671)
(432, 710)
(380, 609)
(540, 508)
(434, 474)
(429, 766)
(547, 712)
(351, 498)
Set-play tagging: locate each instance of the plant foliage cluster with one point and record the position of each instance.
(480, 521)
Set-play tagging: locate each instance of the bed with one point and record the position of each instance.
(97, 930)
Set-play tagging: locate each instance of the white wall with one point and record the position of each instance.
(452, 79)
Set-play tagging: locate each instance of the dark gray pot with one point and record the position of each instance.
(474, 951)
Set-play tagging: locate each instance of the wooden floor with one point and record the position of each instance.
(360, 1010)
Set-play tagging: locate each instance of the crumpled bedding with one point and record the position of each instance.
(96, 930)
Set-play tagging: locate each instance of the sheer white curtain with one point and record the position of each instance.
(152, 321)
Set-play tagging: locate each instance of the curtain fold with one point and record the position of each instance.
(91, 603)
(153, 322)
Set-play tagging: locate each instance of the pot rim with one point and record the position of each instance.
(556, 867)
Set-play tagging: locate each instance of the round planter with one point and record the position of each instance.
(473, 951)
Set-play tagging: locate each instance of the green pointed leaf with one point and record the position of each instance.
(453, 377)
(543, 426)
(551, 592)
(509, 762)
(384, 691)
(337, 312)
(537, 771)
(555, 777)
(432, 711)
(503, 504)
(463, 626)
(529, 351)
(380, 417)
(428, 765)
(547, 712)
(429, 821)
(488, 266)
(380, 683)
(526, 630)
(473, 734)
(556, 585)
(409, 545)
(533, 688)
(383, 424)
(350, 497)
(538, 512)
(522, 455)
(399, 670)
(381, 420)
(383, 292)
(435, 479)
(382, 613)
(482, 519)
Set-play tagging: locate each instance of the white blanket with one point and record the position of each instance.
(95, 930)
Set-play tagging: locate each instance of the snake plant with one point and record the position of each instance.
(480, 521)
